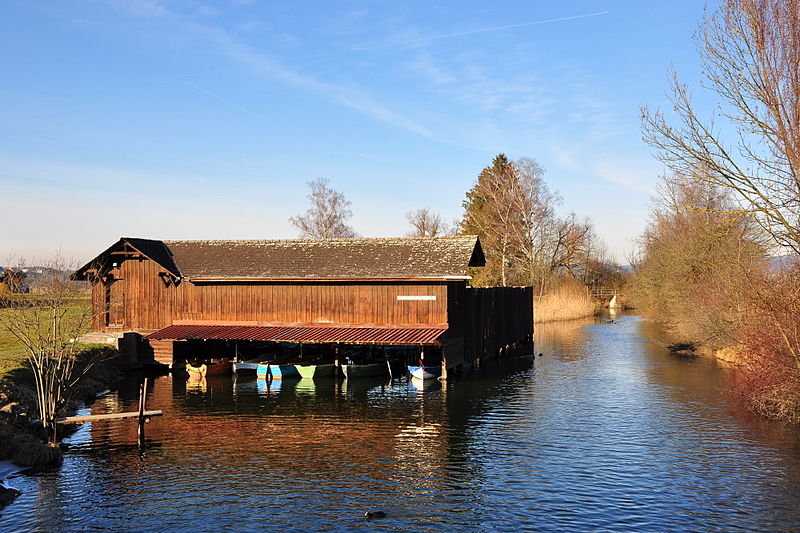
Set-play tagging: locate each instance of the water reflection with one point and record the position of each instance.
(563, 339)
(606, 431)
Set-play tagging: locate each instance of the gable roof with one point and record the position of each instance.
(329, 259)
(152, 249)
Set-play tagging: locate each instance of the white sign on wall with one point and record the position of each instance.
(416, 298)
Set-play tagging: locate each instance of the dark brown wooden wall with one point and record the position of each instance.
(150, 304)
(494, 318)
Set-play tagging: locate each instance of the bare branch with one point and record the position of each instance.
(750, 50)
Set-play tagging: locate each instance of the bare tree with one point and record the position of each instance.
(46, 324)
(328, 215)
(526, 243)
(426, 223)
(697, 259)
(750, 50)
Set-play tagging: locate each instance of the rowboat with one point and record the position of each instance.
(363, 371)
(276, 371)
(425, 372)
(196, 371)
(422, 385)
(316, 371)
(251, 365)
(214, 367)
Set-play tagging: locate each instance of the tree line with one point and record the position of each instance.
(512, 211)
(730, 203)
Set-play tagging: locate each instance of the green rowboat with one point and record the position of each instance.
(316, 371)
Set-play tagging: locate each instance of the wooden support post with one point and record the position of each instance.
(80, 419)
(142, 401)
(388, 364)
(443, 377)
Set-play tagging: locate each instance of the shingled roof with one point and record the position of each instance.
(329, 259)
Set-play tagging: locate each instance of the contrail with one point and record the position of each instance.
(222, 99)
(482, 30)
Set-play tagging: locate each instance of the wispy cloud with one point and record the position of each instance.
(225, 100)
(623, 174)
(431, 38)
(521, 97)
(140, 8)
(424, 64)
(262, 64)
(635, 175)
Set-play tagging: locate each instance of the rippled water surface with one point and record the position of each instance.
(606, 431)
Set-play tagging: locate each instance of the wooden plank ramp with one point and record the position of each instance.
(108, 416)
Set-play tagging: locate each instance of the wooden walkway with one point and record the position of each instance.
(109, 416)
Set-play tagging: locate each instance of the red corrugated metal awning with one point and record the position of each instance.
(307, 334)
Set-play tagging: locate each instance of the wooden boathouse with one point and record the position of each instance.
(327, 294)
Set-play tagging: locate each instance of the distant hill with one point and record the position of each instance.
(35, 276)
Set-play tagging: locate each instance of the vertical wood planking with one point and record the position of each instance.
(482, 320)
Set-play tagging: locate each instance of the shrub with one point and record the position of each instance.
(769, 379)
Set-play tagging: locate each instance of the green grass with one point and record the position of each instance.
(12, 352)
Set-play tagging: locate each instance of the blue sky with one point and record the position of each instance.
(204, 120)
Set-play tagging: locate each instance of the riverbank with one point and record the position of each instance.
(22, 441)
(731, 355)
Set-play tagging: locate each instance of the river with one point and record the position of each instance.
(605, 431)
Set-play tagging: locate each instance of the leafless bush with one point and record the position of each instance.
(45, 325)
(769, 379)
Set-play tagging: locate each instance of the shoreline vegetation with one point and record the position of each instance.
(720, 261)
(569, 301)
(23, 440)
(705, 273)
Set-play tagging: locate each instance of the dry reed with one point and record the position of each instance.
(567, 302)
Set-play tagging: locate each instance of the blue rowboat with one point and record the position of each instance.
(425, 372)
(271, 371)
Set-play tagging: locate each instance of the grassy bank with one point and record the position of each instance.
(567, 302)
(12, 353)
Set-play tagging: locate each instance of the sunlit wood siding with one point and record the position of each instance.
(150, 304)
